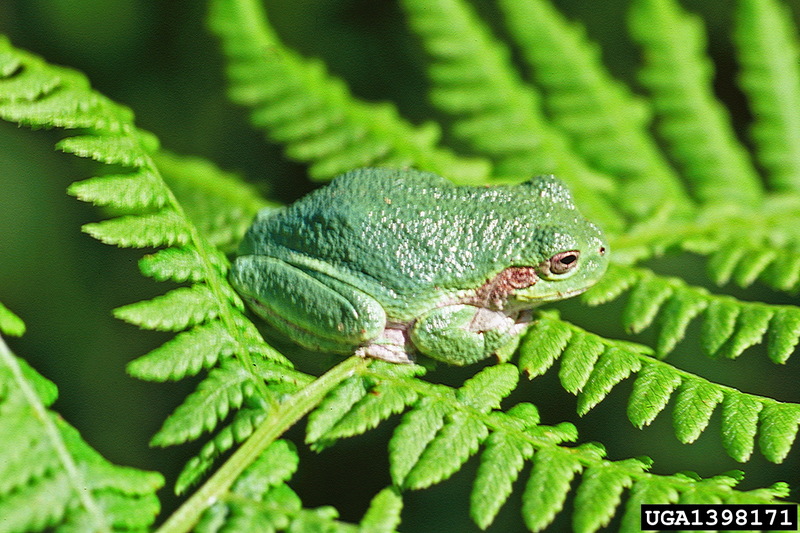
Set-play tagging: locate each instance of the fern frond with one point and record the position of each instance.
(606, 123)
(743, 245)
(241, 363)
(314, 115)
(475, 84)
(444, 427)
(730, 326)
(656, 382)
(694, 123)
(768, 50)
(44, 459)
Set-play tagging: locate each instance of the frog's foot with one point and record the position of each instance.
(392, 346)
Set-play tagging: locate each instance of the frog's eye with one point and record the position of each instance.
(560, 264)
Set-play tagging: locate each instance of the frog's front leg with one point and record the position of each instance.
(463, 334)
(308, 303)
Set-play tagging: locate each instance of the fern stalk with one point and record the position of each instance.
(277, 422)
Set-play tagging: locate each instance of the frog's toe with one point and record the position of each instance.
(386, 352)
(392, 346)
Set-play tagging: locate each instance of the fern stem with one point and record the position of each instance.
(276, 424)
(214, 283)
(74, 475)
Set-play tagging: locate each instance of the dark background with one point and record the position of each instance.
(159, 59)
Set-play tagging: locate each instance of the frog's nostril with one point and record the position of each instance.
(602, 250)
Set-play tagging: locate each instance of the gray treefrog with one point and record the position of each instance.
(386, 263)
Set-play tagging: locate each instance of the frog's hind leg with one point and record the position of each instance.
(310, 307)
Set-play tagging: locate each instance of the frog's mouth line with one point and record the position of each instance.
(561, 295)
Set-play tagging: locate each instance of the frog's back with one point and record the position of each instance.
(406, 231)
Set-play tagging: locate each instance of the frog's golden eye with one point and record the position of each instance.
(560, 264)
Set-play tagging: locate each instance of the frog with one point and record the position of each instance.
(390, 264)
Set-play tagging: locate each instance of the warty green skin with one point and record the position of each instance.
(386, 263)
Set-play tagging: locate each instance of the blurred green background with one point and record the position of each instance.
(158, 58)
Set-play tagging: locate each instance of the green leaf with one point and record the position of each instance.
(757, 262)
(646, 299)
(783, 334)
(720, 323)
(694, 405)
(275, 465)
(415, 432)
(473, 82)
(49, 476)
(676, 315)
(695, 125)
(225, 389)
(126, 150)
(501, 463)
(485, 390)
(383, 515)
(173, 311)
(164, 228)
(652, 389)
(606, 123)
(548, 486)
(334, 407)
(778, 430)
(221, 205)
(578, 361)
(300, 105)
(377, 405)
(725, 260)
(739, 423)
(245, 421)
(542, 345)
(600, 494)
(136, 191)
(751, 324)
(181, 264)
(614, 366)
(186, 354)
(444, 455)
(647, 490)
(615, 281)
